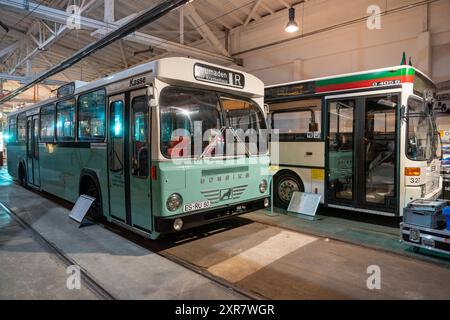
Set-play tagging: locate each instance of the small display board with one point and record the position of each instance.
(304, 205)
(203, 72)
(80, 209)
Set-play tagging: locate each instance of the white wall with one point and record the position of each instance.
(423, 32)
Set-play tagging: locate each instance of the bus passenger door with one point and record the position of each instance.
(116, 158)
(33, 151)
(340, 182)
(36, 171)
(362, 152)
(129, 160)
(140, 161)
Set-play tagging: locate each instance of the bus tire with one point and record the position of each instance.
(285, 183)
(90, 187)
(23, 175)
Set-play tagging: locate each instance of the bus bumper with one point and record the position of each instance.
(165, 225)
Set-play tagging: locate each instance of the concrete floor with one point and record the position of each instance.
(262, 259)
(279, 264)
(124, 269)
(28, 270)
(372, 231)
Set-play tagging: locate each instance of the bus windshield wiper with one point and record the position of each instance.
(239, 140)
(212, 144)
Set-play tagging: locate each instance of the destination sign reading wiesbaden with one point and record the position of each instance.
(217, 75)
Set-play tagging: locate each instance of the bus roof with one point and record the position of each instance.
(351, 81)
(175, 69)
(394, 68)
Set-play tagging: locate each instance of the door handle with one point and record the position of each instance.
(308, 154)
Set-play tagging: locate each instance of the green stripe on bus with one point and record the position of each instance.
(366, 76)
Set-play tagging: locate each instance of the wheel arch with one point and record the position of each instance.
(22, 164)
(89, 175)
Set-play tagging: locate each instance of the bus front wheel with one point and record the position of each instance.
(285, 184)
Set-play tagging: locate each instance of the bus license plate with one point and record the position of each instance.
(197, 206)
(428, 243)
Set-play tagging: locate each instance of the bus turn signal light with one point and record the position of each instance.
(412, 172)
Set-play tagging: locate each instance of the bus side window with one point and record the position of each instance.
(139, 120)
(47, 118)
(12, 129)
(91, 116)
(296, 124)
(117, 137)
(65, 120)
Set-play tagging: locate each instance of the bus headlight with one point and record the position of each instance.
(174, 202)
(263, 186)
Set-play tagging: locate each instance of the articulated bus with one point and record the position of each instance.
(365, 141)
(125, 140)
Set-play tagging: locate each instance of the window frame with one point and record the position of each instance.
(21, 116)
(47, 139)
(299, 137)
(219, 109)
(133, 132)
(222, 117)
(63, 139)
(77, 117)
(420, 100)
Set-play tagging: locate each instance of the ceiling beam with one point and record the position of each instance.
(108, 14)
(25, 79)
(103, 28)
(204, 30)
(252, 12)
(50, 40)
(150, 15)
(9, 49)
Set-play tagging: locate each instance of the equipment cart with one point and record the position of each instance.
(437, 240)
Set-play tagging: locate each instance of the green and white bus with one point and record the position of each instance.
(365, 141)
(126, 141)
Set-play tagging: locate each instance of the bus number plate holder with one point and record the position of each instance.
(197, 206)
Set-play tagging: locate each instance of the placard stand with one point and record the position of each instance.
(304, 205)
(80, 209)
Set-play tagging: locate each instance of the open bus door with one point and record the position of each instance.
(129, 159)
(362, 152)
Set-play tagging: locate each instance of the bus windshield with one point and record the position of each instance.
(193, 120)
(422, 142)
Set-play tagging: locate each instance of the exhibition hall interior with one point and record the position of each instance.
(224, 150)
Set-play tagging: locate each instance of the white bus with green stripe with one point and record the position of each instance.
(128, 141)
(365, 141)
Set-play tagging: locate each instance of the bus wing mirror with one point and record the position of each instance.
(151, 96)
(150, 92)
(266, 108)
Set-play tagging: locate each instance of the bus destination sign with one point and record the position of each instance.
(224, 77)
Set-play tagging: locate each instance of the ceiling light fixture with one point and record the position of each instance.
(292, 26)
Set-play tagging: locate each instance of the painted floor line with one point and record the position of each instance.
(261, 255)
